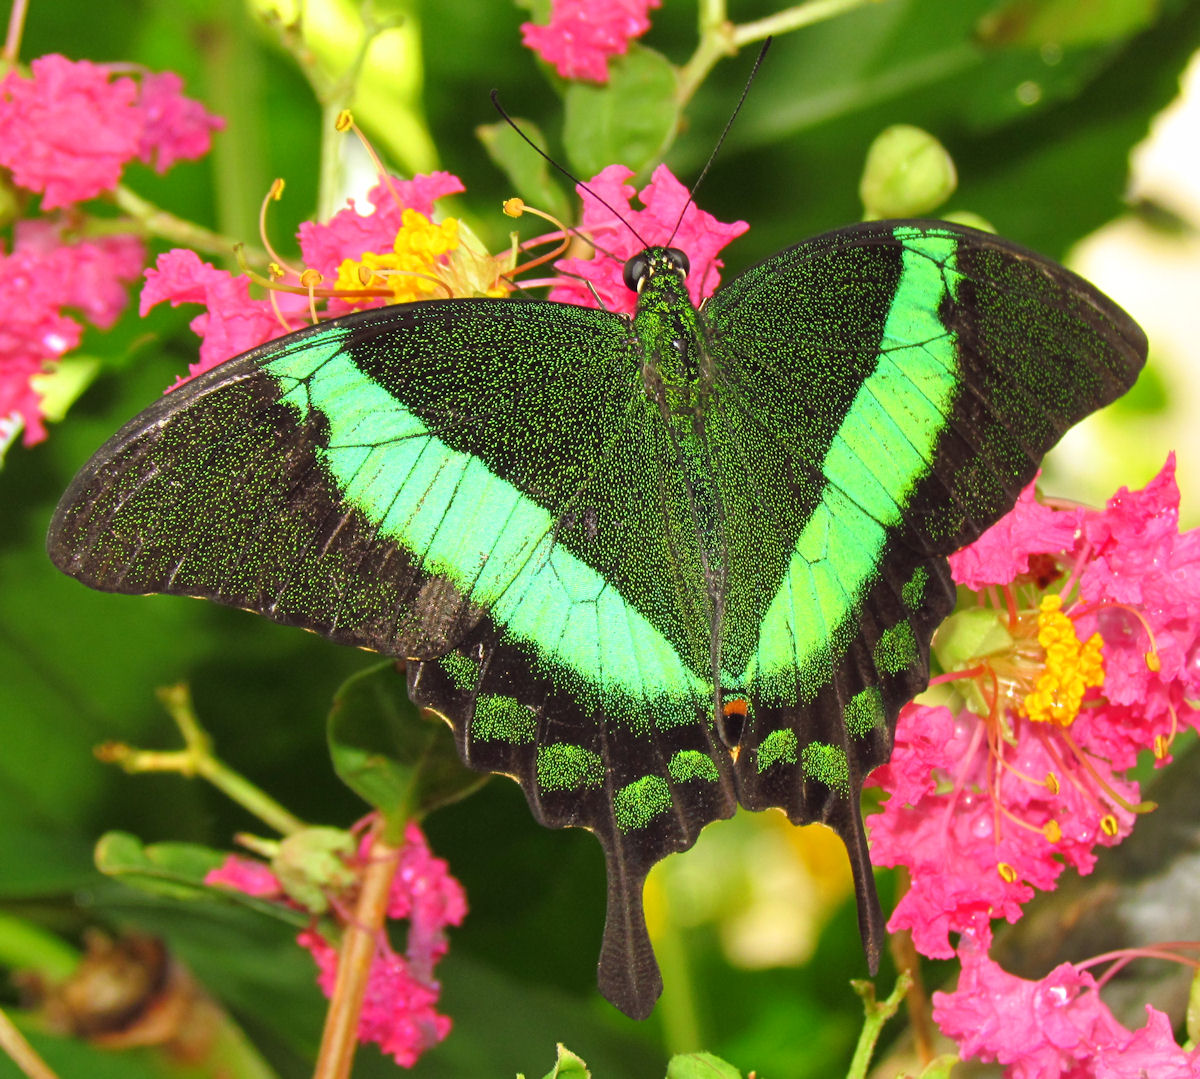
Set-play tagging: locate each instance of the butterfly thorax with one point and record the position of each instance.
(678, 373)
(676, 367)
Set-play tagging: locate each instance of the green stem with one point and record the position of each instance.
(151, 220)
(720, 38)
(198, 759)
(16, 27)
(876, 1014)
(331, 190)
(794, 18)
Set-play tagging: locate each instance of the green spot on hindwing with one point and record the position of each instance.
(778, 746)
(503, 719)
(896, 649)
(864, 712)
(692, 764)
(913, 591)
(636, 805)
(827, 764)
(463, 672)
(566, 767)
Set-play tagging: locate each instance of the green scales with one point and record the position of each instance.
(655, 568)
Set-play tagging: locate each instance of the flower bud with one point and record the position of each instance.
(908, 173)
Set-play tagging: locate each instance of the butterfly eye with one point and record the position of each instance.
(679, 260)
(636, 271)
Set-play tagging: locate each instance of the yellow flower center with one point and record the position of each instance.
(1071, 667)
(410, 269)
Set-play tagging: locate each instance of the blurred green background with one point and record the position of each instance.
(1038, 101)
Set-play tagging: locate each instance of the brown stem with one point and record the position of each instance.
(23, 1055)
(916, 1002)
(359, 942)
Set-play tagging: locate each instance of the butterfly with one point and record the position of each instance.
(652, 567)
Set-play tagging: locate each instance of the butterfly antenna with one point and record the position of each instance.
(716, 149)
(575, 180)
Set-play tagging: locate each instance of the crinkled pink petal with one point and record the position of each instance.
(42, 276)
(174, 127)
(349, 233)
(245, 875)
(1003, 551)
(233, 322)
(398, 1009)
(1054, 1028)
(1040, 1029)
(1151, 1051)
(583, 34)
(69, 130)
(699, 234)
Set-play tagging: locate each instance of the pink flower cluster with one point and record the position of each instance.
(235, 321)
(48, 273)
(1055, 1027)
(987, 804)
(69, 131)
(583, 34)
(664, 200)
(399, 1010)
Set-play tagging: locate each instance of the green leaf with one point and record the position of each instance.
(700, 1066)
(632, 120)
(388, 753)
(567, 1066)
(529, 173)
(1193, 1011)
(940, 1067)
(1062, 23)
(176, 870)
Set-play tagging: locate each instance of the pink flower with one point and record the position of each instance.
(233, 322)
(399, 1010)
(44, 275)
(1054, 1027)
(70, 130)
(700, 234)
(246, 875)
(174, 127)
(350, 232)
(1004, 550)
(583, 34)
(1057, 694)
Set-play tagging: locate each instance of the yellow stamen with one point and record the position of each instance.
(409, 270)
(1052, 783)
(1108, 825)
(1006, 871)
(1052, 831)
(1071, 667)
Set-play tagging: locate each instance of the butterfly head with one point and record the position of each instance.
(654, 260)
